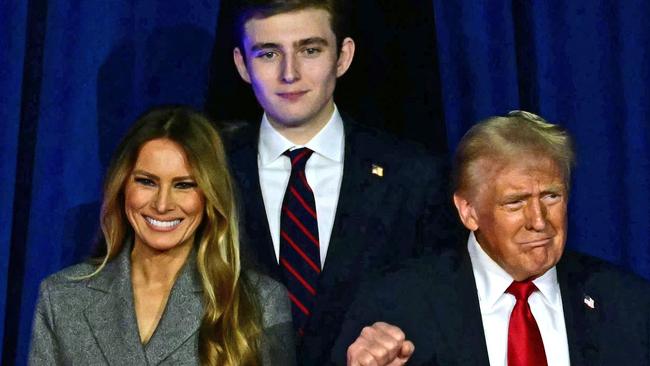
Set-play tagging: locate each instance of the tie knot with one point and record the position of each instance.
(298, 157)
(521, 290)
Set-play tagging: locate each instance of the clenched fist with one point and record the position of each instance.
(379, 345)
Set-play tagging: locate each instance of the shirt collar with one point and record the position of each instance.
(492, 280)
(328, 142)
(548, 285)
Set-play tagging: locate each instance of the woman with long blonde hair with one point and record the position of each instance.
(170, 289)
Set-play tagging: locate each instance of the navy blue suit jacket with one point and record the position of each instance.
(379, 220)
(434, 301)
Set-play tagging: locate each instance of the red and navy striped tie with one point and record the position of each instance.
(299, 246)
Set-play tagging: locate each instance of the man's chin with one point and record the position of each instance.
(539, 266)
(289, 121)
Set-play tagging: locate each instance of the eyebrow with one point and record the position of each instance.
(515, 197)
(312, 41)
(555, 189)
(300, 43)
(153, 176)
(262, 46)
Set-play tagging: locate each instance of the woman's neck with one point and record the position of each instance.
(150, 267)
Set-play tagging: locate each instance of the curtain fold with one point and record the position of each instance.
(478, 62)
(13, 15)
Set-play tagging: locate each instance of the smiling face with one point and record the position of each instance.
(290, 60)
(518, 215)
(162, 200)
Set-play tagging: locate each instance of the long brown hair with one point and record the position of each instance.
(230, 329)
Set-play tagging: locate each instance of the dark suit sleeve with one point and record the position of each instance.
(44, 349)
(400, 298)
(364, 311)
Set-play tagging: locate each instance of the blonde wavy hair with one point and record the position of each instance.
(230, 328)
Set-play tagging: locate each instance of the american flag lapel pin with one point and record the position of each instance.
(377, 170)
(589, 302)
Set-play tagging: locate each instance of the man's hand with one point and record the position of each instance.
(379, 345)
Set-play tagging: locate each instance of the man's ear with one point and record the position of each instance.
(466, 211)
(346, 55)
(240, 63)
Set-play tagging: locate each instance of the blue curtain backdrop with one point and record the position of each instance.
(74, 75)
(12, 48)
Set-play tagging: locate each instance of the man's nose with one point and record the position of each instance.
(290, 69)
(536, 215)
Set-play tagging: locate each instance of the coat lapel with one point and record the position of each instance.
(112, 317)
(580, 319)
(457, 313)
(182, 316)
(257, 236)
(359, 203)
(353, 210)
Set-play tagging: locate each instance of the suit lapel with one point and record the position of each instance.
(352, 211)
(457, 313)
(580, 319)
(351, 229)
(258, 234)
(112, 317)
(182, 316)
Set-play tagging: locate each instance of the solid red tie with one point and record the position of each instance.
(299, 242)
(525, 346)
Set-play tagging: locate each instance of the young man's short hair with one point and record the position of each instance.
(262, 9)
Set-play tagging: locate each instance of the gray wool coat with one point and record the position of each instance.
(92, 321)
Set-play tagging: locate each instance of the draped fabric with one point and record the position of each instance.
(13, 15)
(74, 75)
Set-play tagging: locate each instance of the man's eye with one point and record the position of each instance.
(552, 197)
(185, 185)
(514, 205)
(312, 51)
(145, 181)
(267, 55)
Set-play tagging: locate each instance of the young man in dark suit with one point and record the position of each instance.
(326, 201)
(511, 294)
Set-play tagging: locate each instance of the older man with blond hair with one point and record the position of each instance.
(511, 294)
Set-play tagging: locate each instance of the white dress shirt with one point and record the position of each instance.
(324, 172)
(496, 307)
